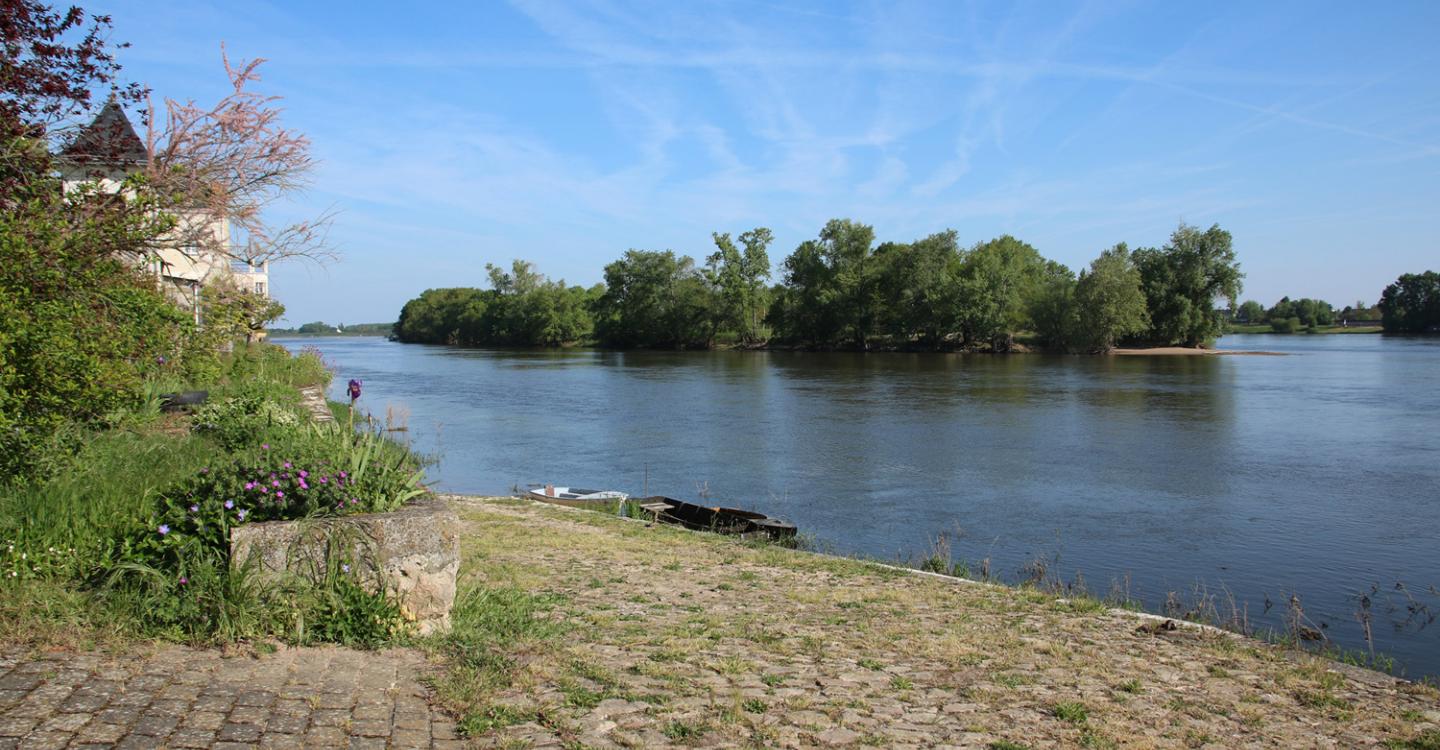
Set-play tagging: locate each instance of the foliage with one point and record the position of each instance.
(228, 161)
(1309, 312)
(46, 74)
(654, 299)
(1285, 325)
(80, 328)
(997, 280)
(1250, 312)
(522, 308)
(739, 277)
(1110, 300)
(232, 313)
(1182, 282)
(919, 288)
(831, 289)
(1412, 304)
(248, 417)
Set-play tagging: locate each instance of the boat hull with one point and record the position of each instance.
(721, 520)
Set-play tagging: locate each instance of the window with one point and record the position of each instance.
(259, 287)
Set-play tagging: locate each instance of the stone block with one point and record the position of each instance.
(414, 550)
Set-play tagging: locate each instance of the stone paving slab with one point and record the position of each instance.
(177, 697)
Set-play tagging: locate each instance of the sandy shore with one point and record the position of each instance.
(1186, 351)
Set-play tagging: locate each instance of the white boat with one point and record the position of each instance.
(575, 497)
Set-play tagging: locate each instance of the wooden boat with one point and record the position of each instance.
(575, 497)
(718, 519)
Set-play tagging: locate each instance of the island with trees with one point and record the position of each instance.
(843, 290)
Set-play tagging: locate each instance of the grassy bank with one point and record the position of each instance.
(583, 629)
(128, 537)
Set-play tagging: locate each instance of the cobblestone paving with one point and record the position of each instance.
(178, 697)
(679, 639)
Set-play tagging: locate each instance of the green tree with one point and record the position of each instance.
(739, 277)
(318, 326)
(1183, 280)
(653, 299)
(1110, 301)
(832, 289)
(1053, 311)
(1411, 304)
(997, 280)
(919, 288)
(1251, 312)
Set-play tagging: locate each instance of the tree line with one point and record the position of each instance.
(843, 290)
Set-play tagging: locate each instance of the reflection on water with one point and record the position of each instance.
(1317, 472)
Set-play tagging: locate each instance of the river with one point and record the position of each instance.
(1315, 474)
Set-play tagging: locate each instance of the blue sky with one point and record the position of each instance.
(450, 136)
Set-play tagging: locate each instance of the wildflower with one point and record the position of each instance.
(279, 494)
(287, 464)
(205, 470)
(229, 504)
(264, 446)
(264, 490)
(160, 361)
(184, 580)
(353, 390)
(304, 486)
(164, 529)
(324, 480)
(240, 514)
(345, 567)
(275, 483)
(249, 485)
(304, 474)
(343, 475)
(194, 509)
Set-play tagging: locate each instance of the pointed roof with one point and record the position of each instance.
(110, 138)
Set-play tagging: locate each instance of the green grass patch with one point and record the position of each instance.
(1073, 712)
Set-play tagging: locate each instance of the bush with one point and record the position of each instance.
(249, 417)
(81, 327)
(1285, 325)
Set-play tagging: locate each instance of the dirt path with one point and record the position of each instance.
(675, 638)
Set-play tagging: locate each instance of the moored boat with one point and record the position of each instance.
(575, 497)
(719, 519)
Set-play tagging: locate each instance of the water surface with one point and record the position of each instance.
(1315, 474)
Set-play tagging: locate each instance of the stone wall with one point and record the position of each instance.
(416, 551)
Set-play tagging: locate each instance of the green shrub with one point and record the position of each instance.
(256, 411)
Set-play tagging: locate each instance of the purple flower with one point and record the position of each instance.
(159, 360)
(353, 390)
(229, 504)
(279, 494)
(287, 464)
(275, 483)
(264, 489)
(304, 473)
(324, 480)
(304, 486)
(205, 470)
(264, 446)
(194, 509)
(240, 514)
(343, 475)
(184, 580)
(164, 529)
(249, 485)
(345, 567)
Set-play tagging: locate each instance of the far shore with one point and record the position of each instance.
(1187, 351)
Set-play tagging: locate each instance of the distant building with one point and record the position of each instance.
(107, 151)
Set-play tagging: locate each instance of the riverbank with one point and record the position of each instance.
(606, 632)
(1188, 351)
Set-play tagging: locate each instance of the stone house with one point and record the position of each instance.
(108, 150)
